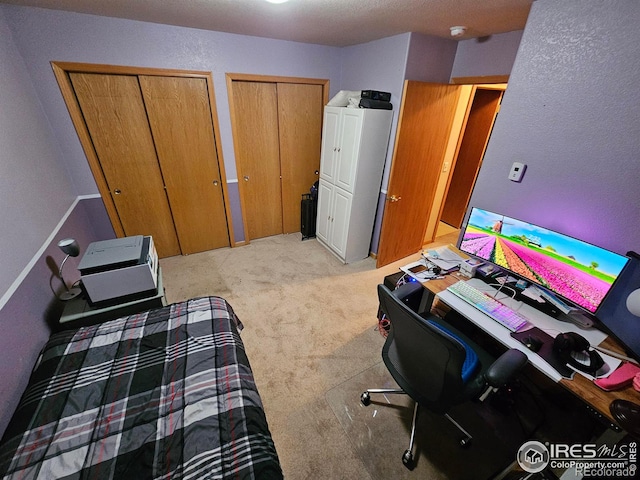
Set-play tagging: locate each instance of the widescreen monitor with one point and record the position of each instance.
(578, 272)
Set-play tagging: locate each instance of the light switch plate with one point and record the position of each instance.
(517, 171)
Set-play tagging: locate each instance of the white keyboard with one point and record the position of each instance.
(488, 305)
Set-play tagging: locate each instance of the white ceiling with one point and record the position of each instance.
(326, 22)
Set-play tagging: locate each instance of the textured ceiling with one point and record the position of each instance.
(325, 22)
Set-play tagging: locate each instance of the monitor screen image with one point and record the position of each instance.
(575, 270)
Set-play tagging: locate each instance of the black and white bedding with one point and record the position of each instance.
(164, 394)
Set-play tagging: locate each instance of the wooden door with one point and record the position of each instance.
(426, 115)
(258, 156)
(300, 131)
(469, 159)
(277, 129)
(181, 122)
(115, 116)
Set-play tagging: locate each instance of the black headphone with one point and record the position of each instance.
(565, 344)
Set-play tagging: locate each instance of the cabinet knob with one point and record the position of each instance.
(246, 178)
(215, 183)
(117, 191)
(393, 198)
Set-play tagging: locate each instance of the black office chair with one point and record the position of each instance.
(434, 363)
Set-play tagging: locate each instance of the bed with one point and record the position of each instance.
(164, 394)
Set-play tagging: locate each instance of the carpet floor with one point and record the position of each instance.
(311, 336)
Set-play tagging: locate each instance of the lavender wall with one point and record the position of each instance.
(430, 59)
(493, 55)
(34, 189)
(30, 313)
(571, 114)
(45, 35)
(35, 194)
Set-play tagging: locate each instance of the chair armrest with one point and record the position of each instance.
(505, 367)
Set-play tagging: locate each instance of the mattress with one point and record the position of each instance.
(167, 393)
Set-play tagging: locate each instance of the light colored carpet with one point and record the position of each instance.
(310, 334)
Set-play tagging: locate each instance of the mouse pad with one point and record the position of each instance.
(546, 350)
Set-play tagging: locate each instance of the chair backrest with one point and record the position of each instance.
(424, 360)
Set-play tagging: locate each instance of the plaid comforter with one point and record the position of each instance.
(165, 394)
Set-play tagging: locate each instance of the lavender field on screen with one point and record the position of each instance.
(578, 286)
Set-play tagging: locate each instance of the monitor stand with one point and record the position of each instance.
(576, 318)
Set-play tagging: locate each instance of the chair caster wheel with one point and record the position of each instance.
(407, 459)
(365, 399)
(465, 442)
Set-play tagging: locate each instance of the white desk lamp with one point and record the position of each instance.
(633, 302)
(71, 248)
(633, 305)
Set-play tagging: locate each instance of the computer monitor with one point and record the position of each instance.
(614, 314)
(577, 272)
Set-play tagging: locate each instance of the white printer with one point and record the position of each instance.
(112, 271)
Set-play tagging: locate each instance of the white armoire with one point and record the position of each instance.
(354, 148)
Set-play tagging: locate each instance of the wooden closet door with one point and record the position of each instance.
(300, 134)
(115, 116)
(180, 117)
(258, 156)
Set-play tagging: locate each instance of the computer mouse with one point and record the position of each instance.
(532, 343)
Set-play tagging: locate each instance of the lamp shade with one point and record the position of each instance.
(69, 246)
(633, 302)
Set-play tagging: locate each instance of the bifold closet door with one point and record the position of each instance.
(116, 118)
(180, 117)
(300, 133)
(258, 156)
(277, 128)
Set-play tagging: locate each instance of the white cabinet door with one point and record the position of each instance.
(354, 146)
(325, 197)
(348, 148)
(330, 130)
(340, 214)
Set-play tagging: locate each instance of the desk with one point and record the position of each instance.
(597, 399)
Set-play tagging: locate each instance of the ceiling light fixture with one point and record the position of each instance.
(277, 1)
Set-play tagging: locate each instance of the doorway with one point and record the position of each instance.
(439, 124)
(482, 114)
